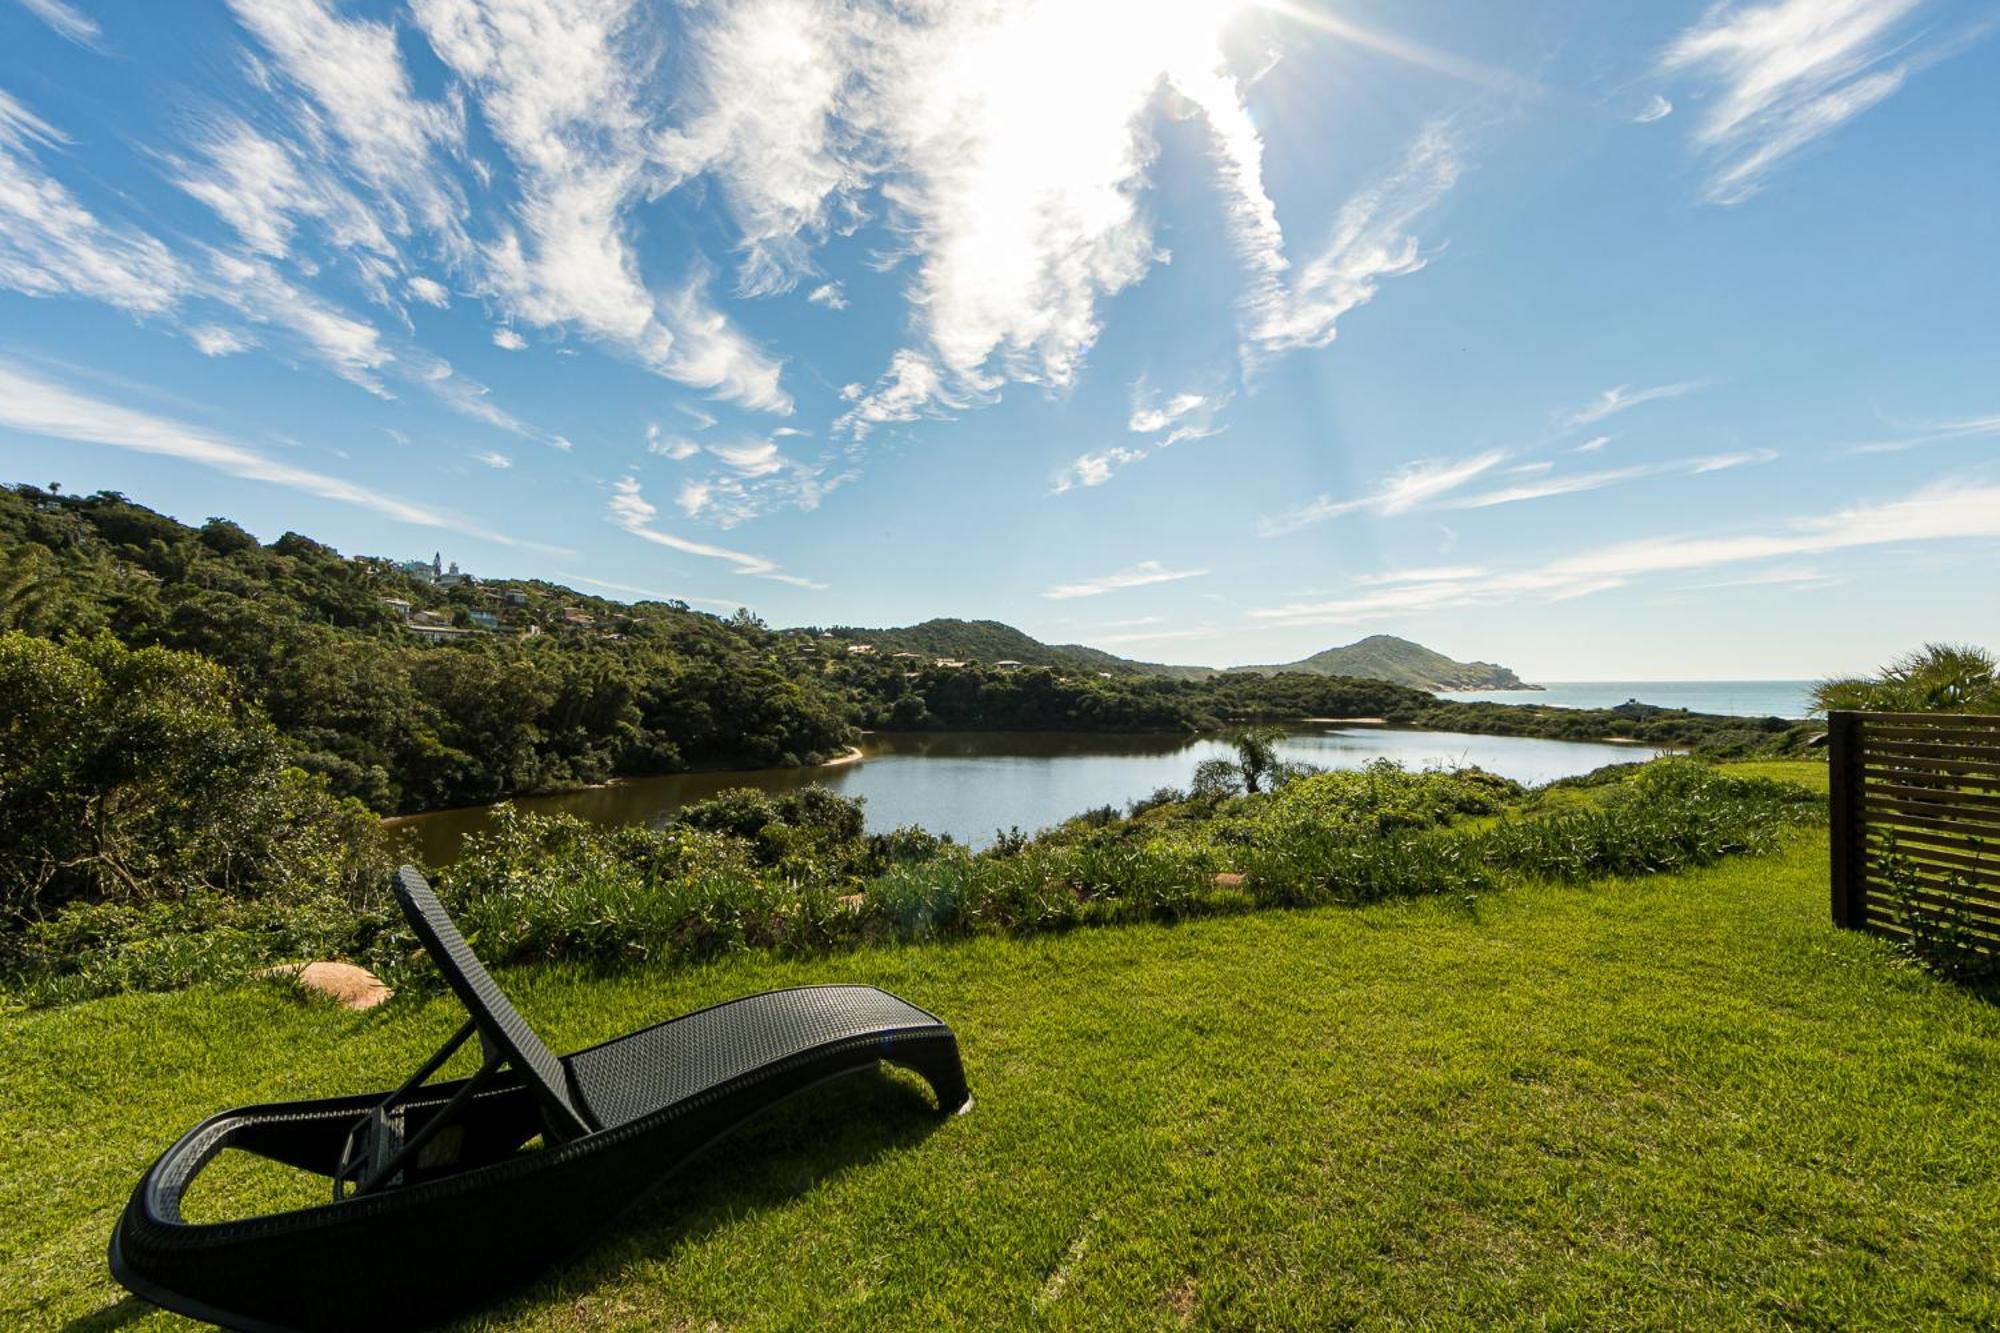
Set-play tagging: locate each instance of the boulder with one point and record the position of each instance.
(348, 985)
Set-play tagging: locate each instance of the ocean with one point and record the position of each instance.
(1740, 698)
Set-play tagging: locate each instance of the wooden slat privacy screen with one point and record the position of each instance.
(1916, 822)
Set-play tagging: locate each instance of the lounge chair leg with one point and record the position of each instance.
(938, 1065)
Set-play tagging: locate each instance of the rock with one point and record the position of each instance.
(1228, 879)
(350, 986)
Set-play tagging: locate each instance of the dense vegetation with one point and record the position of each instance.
(1938, 678)
(1386, 657)
(747, 870)
(196, 728)
(574, 689)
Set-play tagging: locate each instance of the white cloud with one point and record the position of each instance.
(1181, 416)
(674, 447)
(630, 510)
(765, 81)
(568, 90)
(214, 340)
(1617, 399)
(1780, 75)
(1141, 575)
(1938, 433)
(751, 458)
(351, 348)
(429, 291)
(1371, 241)
(1432, 574)
(561, 443)
(1398, 493)
(702, 420)
(65, 19)
(1944, 512)
(1592, 445)
(353, 73)
(1094, 469)
(509, 340)
(51, 245)
(912, 387)
(828, 294)
(1573, 483)
(261, 188)
(1656, 108)
(36, 406)
(495, 459)
(693, 498)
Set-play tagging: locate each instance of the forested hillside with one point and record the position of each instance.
(412, 695)
(992, 641)
(1386, 657)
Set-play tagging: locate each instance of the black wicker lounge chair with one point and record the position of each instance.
(435, 1204)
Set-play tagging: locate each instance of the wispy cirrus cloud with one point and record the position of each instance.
(1656, 108)
(1143, 574)
(1781, 75)
(1094, 469)
(1946, 511)
(1621, 398)
(630, 510)
(1573, 483)
(1372, 239)
(52, 245)
(34, 405)
(1401, 491)
(65, 19)
(1934, 433)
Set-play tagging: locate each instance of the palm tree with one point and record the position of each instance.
(1941, 678)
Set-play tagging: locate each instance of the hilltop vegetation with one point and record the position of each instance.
(1386, 657)
(991, 641)
(1381, 657)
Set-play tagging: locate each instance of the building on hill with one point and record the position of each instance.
(1008, 664)
(485, 620)
(514, 597)
(398, 605)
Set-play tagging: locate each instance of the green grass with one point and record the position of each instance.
(1683, 1100)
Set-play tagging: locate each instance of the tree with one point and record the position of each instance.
(1939, 678)
(1257, 755)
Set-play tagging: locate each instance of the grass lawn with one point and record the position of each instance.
(1676, 1101)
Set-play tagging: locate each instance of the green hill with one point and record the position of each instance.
(990, 641)
(1377, 657)
(1386, 657)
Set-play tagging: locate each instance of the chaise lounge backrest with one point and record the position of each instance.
(500, 1024)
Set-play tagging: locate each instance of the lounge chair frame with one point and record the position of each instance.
(436, 1206)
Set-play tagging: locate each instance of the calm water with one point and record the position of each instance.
(973, 784)
(1738, 698)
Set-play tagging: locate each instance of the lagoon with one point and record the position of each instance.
(973, 785)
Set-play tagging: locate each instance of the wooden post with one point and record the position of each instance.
(1843, 739)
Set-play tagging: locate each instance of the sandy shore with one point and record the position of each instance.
(853, 756)
(1350, 721)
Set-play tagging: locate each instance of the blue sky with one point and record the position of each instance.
(1600, 340)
